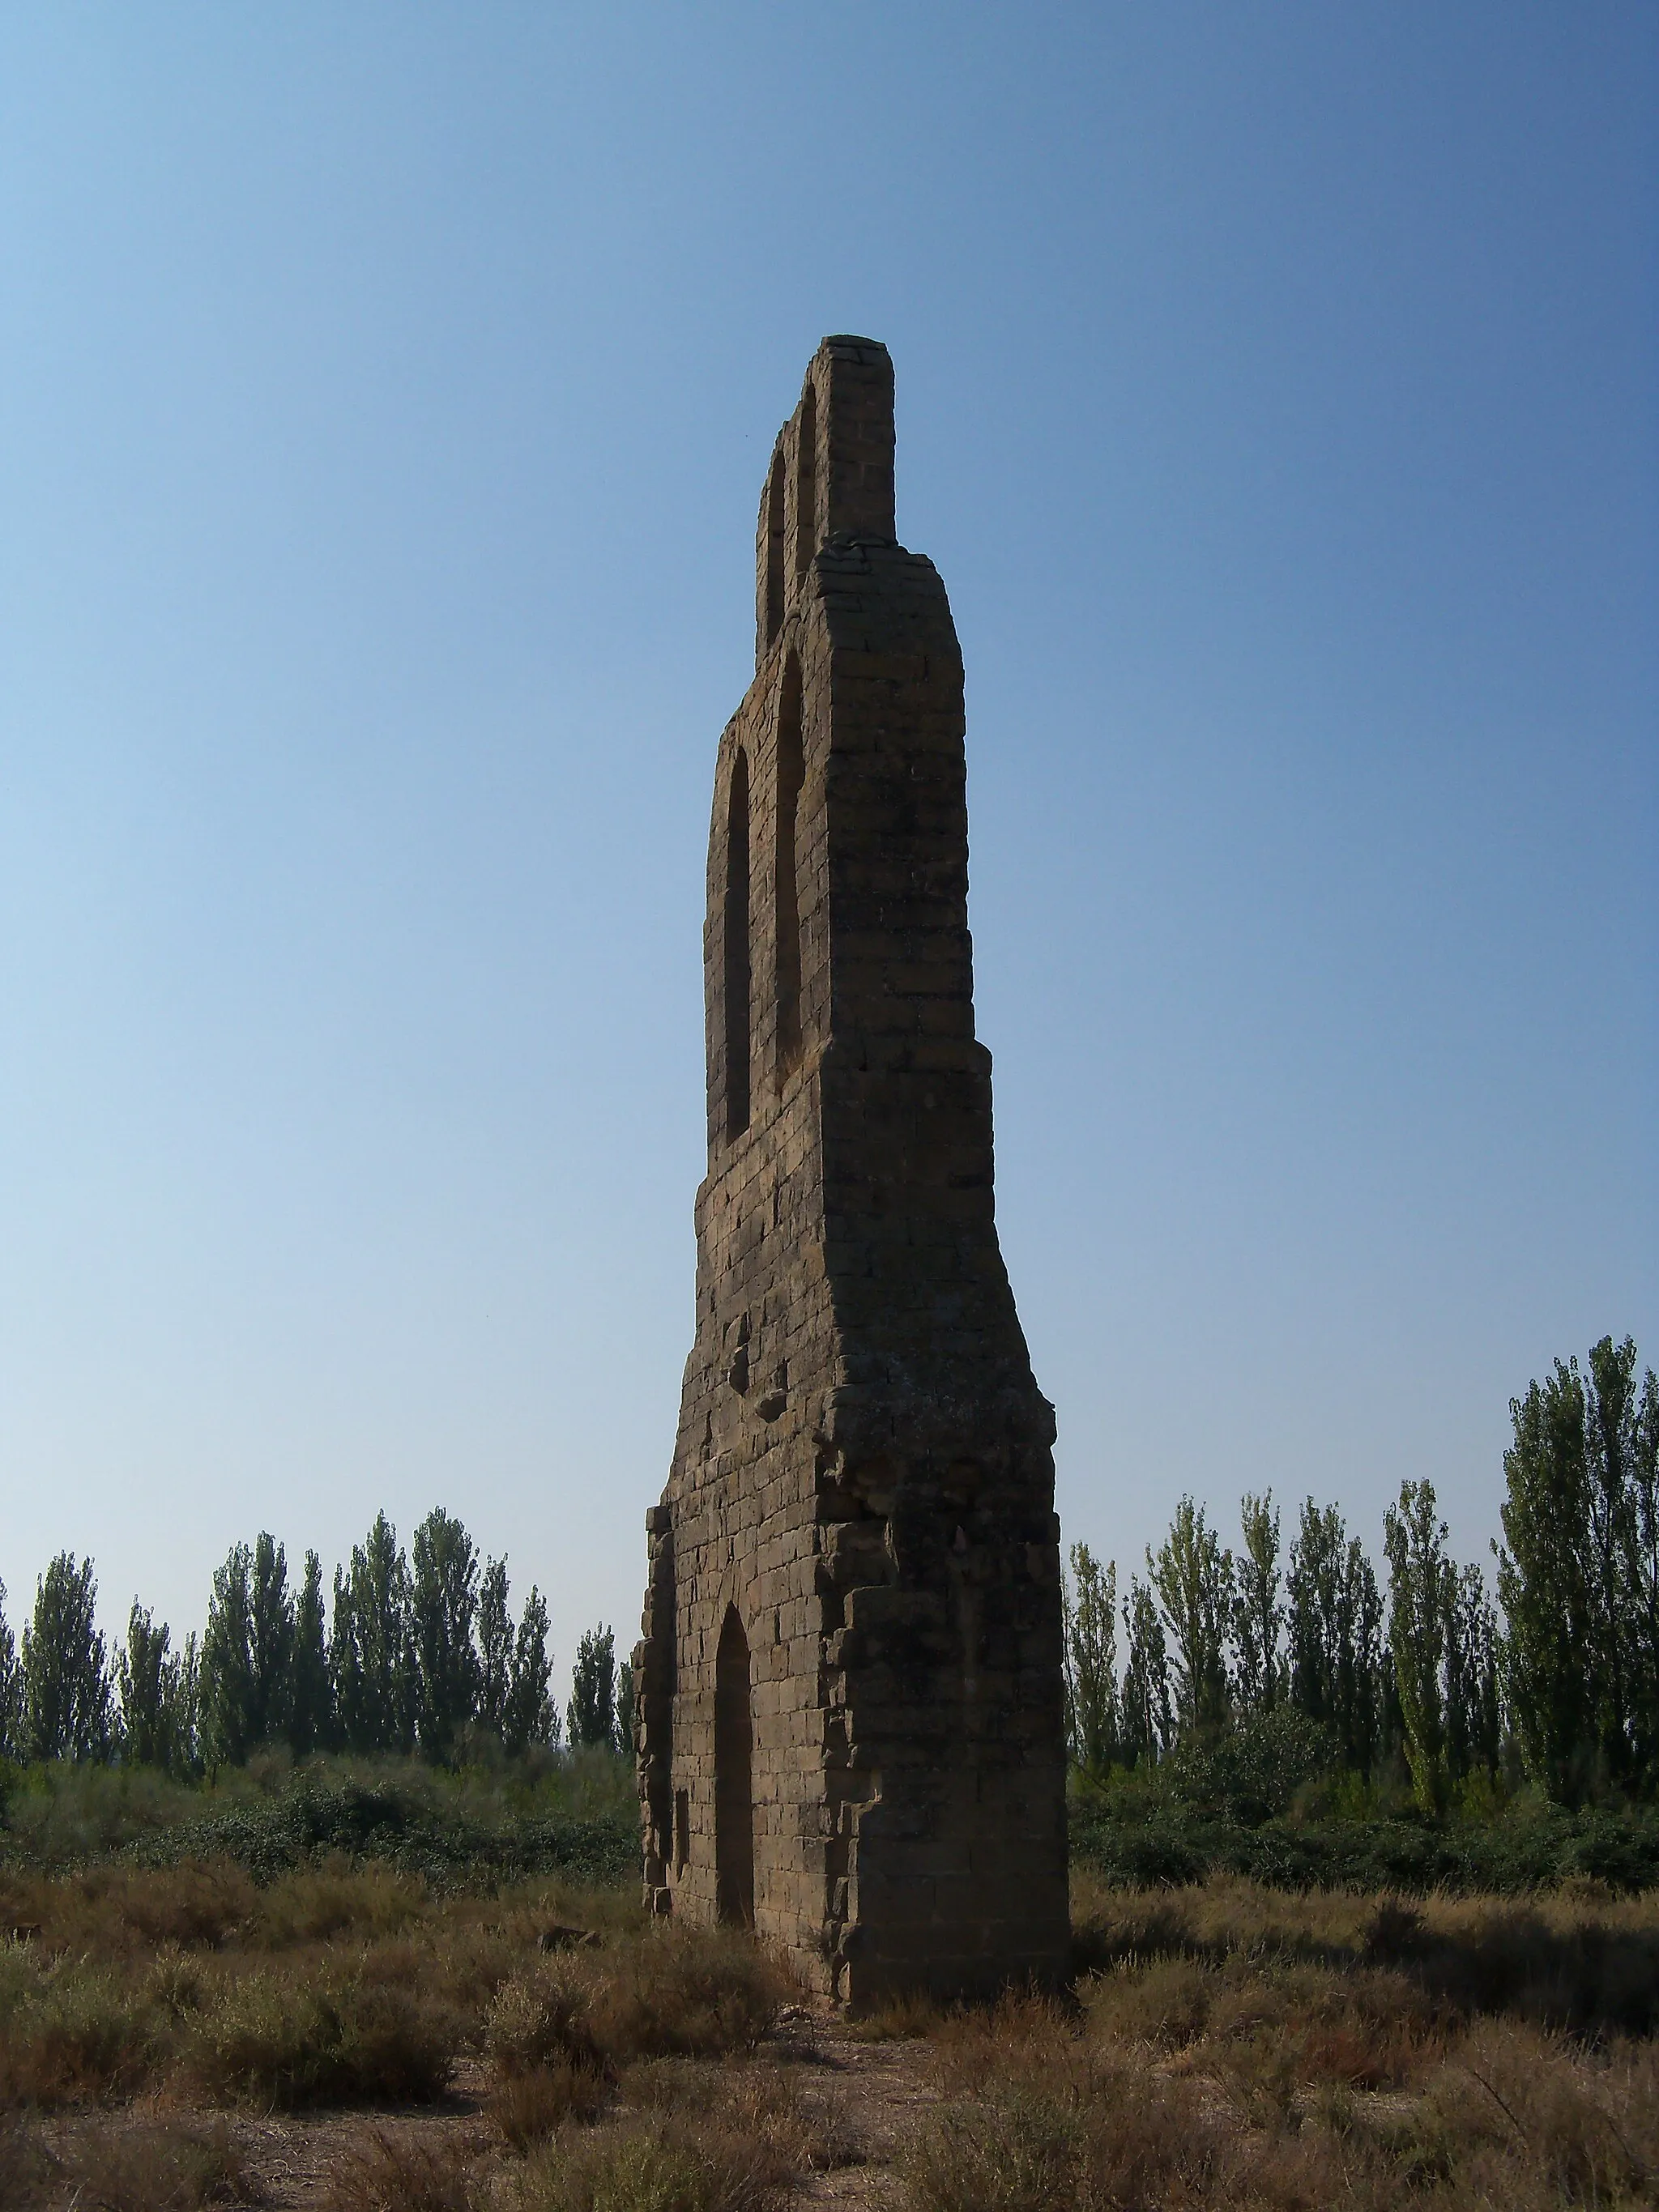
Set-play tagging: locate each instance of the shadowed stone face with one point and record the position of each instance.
(848, 1691)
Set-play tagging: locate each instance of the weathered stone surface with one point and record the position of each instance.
(849, 1687)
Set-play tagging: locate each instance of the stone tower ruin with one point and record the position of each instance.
(848, 1705)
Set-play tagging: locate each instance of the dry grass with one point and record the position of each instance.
(391, 2173)
(1242, 2049)
(1223, 2047)
(166, 2165)
(693, 2137)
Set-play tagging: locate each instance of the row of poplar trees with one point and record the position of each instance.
(1558, 1683)
(422, 1655)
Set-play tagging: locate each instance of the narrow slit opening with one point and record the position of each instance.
(774, 528)
(806, 463)
(785, 894)
(737, 950)
(734, 1806)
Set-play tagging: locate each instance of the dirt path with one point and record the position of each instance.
(866, 2097)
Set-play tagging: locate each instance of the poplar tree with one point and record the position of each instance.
(1333, 1626)
(66, 1687)
(1258, 1620)
(1193, 1578)
(11, 1690)
(270, 1644)
(495, 1651)
(591, 1716)
(443, 1601)
(227, 1684)
(529, 1717)
(1092, 1716)
(373, 1649)
(157, 1729)
(1147, 1727)
(1544, 1585)
(311, 1704)
(1421, 1585)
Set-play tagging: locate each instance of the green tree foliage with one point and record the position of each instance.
(1146, 1721)
(372, 1647)
(1474, 1717)
(1092, 1720)
(530, 1717)
(11, 1690)
(311, 1703)
(1422, 1583)
(625, 1709)
(227, 1689)
(1578, 1572)
(1192, 1579)
(271, 1643)
(443, 1604)
(1334, 1624)
(591, 1716)
(495, 1651)
(247, 1693)
(65, 1677)
(157, 1728)
(1258, 1622)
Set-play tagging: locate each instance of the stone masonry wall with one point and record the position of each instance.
(849, 1687)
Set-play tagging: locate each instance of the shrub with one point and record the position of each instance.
(70, 2033)
(333, 2038)
(660, 2163)
(391, 2173)
(158, 2165)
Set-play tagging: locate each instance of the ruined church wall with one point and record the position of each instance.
(862, 1476)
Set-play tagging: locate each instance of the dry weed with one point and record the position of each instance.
(157, 2165)
(276, 2039)
(70, 2033)
(400, 2172)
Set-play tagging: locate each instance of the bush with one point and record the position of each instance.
(333, 2038)
(70, 2033)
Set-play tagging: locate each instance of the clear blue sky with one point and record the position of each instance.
(387, 395)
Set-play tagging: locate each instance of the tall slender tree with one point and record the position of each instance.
(495, 1651)
(1147, 1722)
(1093, 1722)
(590, 1717)
(1546, 1586)
(530, 1717)
(375, 1681)
(310, 1706)
(11, 1690)
(1642, 1577)
(155, 1727)
(444, 1602)
(1421, 1585)
(270, 1643)
(1258, 1622)
(1193, 1578)
(229, 1725)
(66, 1686)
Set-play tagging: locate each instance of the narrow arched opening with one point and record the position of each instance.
(786, 897)
(736, 923)
(806, 482)
(775, 529)
(734, 1800)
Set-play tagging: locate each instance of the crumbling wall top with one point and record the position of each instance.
(831, 473)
